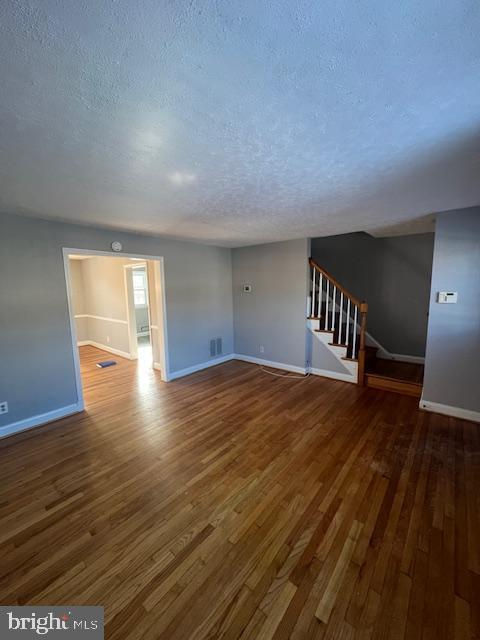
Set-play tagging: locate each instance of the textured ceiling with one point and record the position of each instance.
(239, 122)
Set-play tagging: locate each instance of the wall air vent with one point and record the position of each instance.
(215, 347)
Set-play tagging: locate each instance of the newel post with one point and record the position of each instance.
(361, 351)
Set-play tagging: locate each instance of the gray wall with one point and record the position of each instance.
(274, 313)
(36, 362)
(392, 275)
(452, 367)
(78, 299)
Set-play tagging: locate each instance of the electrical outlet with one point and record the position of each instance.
(108, 339)
(3, 407)
(262, 349)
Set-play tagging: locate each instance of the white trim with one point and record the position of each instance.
(105, 347)
(83, 343)
(43, 418)
(384, 354)
(400, 357)
(162, 337)
(157, 366)
(89, 315)
(73, 332)
(270, 363)
(448, 410)
(159, 261)
(112, 254)
(325, 373)
(142, 334)
(130, 310)
(198, 367)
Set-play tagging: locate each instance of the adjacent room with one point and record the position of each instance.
(240, 320)
(115, 307)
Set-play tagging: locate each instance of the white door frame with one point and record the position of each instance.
(129, 301)
(131, 315)
(165, 367)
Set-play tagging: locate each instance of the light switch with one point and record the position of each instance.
(447, 297)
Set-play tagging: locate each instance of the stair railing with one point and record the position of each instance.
(326, 290)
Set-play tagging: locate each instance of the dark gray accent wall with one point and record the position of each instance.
(273, 315)
(393, 275)
(452, 365)
(36, 362)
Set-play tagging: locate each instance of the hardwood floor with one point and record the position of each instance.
(232, 504)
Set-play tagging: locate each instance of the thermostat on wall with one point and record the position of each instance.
(247, 288)
(447, 297)
(116, 246)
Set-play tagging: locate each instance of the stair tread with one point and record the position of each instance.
(409, 382)
(395, 385)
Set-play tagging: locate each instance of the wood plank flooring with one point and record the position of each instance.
(232, 504)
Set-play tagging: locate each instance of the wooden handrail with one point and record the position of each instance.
(335, 282)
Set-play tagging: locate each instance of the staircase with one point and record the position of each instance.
(339, 320)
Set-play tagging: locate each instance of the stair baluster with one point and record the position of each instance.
(354, 331)
(347, 333)
(326, 304)
(320, 298)
(340, 318)
(334, 302)
(312, 310)
(324, 301)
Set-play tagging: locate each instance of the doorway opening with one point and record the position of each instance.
(117, 312)
(139, 312)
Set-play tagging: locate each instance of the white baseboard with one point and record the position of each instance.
(384, 354)
(448, 410)
(105, 347)
(43, 418)
(270, 363)
(157, 366)
(173, 375)
(400, 357)
(344, 377)
(324, 373)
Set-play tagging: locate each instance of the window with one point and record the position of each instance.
(140, 287)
